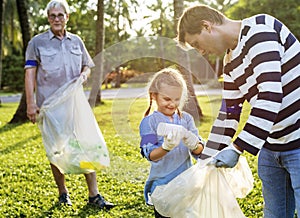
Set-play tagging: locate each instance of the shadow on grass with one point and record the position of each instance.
(8, 127)
(85, 211)
(88, 210)
(55, 207)
(17, 145)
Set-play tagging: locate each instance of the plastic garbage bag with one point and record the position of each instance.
(71, 135)
(204, 191)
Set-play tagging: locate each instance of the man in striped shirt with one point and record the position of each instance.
(262, 67)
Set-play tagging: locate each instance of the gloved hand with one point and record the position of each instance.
(164, 129)
(171, 140)
(191, 140)
(172, 134)
(227, 157)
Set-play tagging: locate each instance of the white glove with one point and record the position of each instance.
(227, 157)
(164, 129)
(191, 140)
(172, 135)
(171, 140)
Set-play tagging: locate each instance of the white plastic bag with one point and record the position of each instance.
(71, 136)
(204, 191)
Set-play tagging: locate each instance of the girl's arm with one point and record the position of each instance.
(157, 154)
(199, 149)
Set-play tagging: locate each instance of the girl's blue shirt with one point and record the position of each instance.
(174, 162)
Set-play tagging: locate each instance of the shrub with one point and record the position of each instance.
(13, 73)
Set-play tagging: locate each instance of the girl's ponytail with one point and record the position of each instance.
(149, 108)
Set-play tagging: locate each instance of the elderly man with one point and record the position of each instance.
(54, 58)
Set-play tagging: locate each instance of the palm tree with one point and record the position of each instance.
(95, 95)
(192, 105)
(20, 114)
(1, 34)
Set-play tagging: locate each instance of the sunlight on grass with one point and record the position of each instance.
(28, 188)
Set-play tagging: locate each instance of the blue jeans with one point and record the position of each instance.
(280, 176)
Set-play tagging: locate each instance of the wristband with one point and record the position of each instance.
(235, 149)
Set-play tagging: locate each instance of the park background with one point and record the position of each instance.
(27, 188)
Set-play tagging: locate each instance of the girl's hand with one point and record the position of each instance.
(172, 140)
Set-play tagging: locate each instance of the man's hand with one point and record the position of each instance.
(32, 111)
(227, 158)
(85, 73)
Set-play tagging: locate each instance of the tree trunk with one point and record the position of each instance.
(97, 73)
(192, 105)
(178, 10)
(1, 34)
(118, 78)
(20, 115)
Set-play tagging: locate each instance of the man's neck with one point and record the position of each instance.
(233, 28)
(59, 34)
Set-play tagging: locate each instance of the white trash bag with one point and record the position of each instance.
(204, 191)
(71, 135)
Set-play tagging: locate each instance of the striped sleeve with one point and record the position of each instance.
(224, 127)
(265, 71)
(260, 83)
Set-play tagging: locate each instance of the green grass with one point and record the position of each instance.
(8, 93)
(27, 185)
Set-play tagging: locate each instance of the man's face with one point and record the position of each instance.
(205, 42)
(57, 19)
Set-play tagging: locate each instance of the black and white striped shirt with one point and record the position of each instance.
(264, 69)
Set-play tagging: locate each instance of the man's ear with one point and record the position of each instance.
(67, 19)
(206, 25)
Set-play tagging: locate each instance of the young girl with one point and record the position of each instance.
(169, 153)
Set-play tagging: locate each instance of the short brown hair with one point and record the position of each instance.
(192, 18)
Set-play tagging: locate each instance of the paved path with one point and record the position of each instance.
(142, 92)
(124, 93)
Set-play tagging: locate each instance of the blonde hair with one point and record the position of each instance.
(191, 21)
(58, 4)
(171, 77)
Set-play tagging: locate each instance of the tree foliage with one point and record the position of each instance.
(163, 25)
(119, 19)
(288, 11)
(13, 73)
(12, 40)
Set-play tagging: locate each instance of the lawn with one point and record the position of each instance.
(27, 185)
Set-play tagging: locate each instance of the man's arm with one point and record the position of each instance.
(30, 80)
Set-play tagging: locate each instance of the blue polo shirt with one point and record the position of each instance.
(174, 162)
(57, 61)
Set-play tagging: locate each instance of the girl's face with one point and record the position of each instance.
(168, 99)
